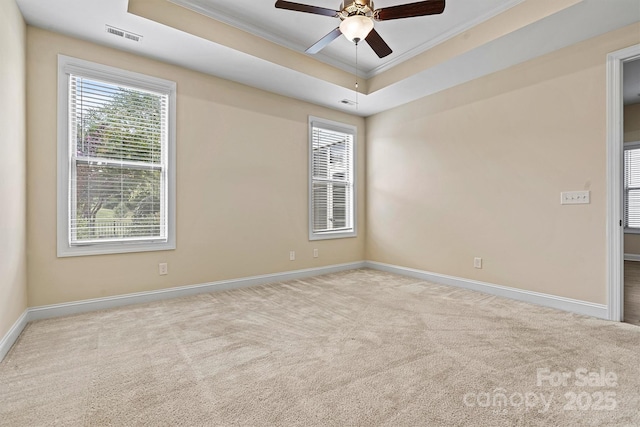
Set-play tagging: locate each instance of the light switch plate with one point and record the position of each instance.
(575, 197)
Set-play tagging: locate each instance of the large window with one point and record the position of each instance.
(632, 187)
(116, 160)
(331, 181)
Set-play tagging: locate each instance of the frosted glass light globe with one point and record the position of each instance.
(356, 27)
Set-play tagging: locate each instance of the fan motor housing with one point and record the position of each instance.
(356, 7)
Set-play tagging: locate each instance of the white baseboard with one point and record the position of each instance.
(546, 300)
(631, 257)
(12, 335)
(76, 307)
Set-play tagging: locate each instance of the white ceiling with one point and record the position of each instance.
(86, 19)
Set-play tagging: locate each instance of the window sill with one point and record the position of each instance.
(117, 248)
(332, 235)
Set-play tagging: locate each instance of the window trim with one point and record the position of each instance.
(338, 127)
(635, 145)
(69, 65)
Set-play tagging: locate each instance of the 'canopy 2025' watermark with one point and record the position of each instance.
(591, 391)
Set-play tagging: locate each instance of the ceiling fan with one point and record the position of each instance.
(357, 19)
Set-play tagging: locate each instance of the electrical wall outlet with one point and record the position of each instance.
(315, 253)
(477, 262)
(292, 255)
(575, 197)
(163, 268)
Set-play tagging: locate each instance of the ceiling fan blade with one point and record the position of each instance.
(282, 4)
(421, 8)
(379, 46)
(320, 44)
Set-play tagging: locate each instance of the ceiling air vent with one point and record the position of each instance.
(348, 102)
(122, 33)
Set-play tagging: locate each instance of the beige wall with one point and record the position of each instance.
(632, 134)
(477, 171)
(241, 184)
(13, 188)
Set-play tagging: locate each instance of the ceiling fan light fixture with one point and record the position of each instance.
(356, 27)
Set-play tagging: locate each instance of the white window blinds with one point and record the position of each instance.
(117, 163)
(632, 187)
(332, 161)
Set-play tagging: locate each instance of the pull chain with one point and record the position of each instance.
(356, 40)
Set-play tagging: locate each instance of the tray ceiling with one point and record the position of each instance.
(253, 43)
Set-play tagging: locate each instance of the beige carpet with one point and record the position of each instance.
(358, 348)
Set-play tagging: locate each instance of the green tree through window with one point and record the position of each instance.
(118, 162)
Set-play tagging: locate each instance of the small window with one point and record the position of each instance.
(331, 181)
(116, 160)
(632, 187)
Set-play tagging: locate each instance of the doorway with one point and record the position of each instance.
(616, 64)
(631, 190)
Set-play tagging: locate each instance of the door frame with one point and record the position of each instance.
(615, 172)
